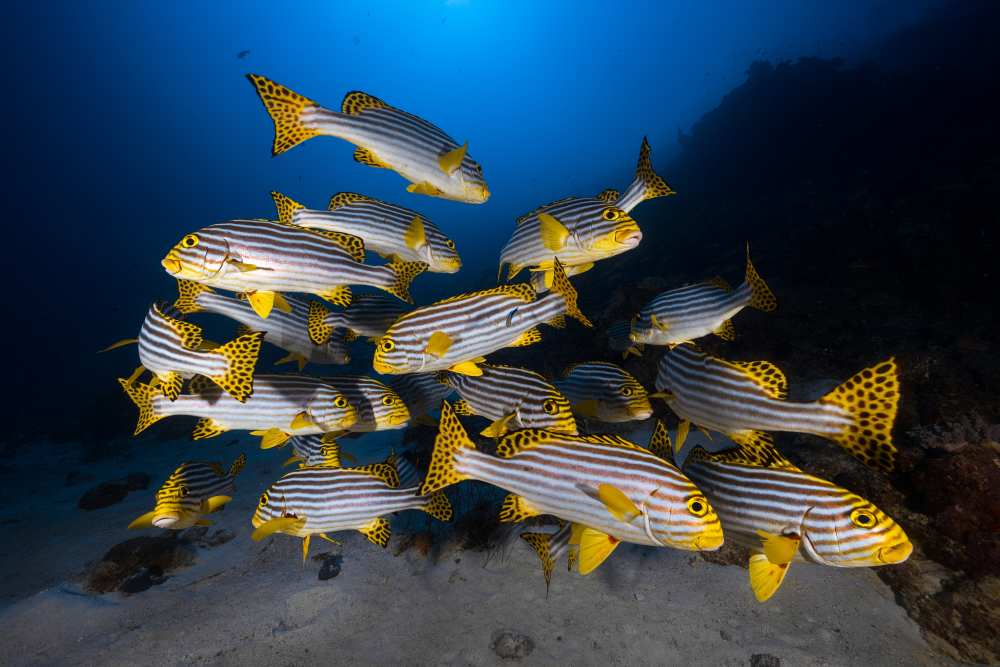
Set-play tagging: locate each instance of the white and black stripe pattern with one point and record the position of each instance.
(502, 391)
(422, 392)
(379, 407)
(688, 313)
(163, 353)
(179, 499)
(616, 395)
(368, 315)
(716, 395)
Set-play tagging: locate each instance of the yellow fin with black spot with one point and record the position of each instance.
(761, 296)
(452, 160)
(377, 532)
(369, 158)
(206, 428)
(351, 244)
(286, 207)
(557, 322)
(319, 330)
(518, 441)
(461, 407)
(439, 507)
(187, 296)
(404, 273)
(171, 384)
(385, 471)
(562, 286)
(726, 330)
(541, 544)
(765, 576)
(653, 185)
(142, 396)
(356, 101)
(659, 442)
(339, 295)
(516, 509)
(609, 196)
(719, 282)
(415, 235)
(529, 337)
(756, 448)
(241, 354)
(766, 375)
(285, 109)
(438, 344)
(190, 335)
(553, 233)
(595, 547)
(450, 440)
(871, 399)
(342, 199)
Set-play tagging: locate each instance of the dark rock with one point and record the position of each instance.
(142, 580)
(330, 567)
(511, 645)
(110, 493)
(764, 660)
(156, 555)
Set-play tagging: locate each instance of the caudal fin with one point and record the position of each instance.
(439, 507)
(761, 296)
(237, 466)
(403, 274)
(450, 439)
(187, 296)
(142, 396)
(242, 354)
(286, 207)
(285, 108)
(647, 183)
(319, 330)
(871, 399)
(561, 285)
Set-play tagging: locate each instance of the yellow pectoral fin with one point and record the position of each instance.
(301, 421)
(292, 459)
(283, 524)
(415, 236)
(423, 188)
(261, 302)
(452, 160)
(272, 437)
(779, 549)
(244, 267)
(595, 547)
(497, 428)
(118, 344)
(144, 521)
(620, 506)
(467, 368)
(765, 576)
(214, 504)
(662, 326)
(682, 433)
(438, 344)
(553, 232)
(281, 304)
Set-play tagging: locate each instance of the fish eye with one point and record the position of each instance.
(386, 345)
(698, 506)
(189, 241)
(550, 407)
(388, 400)
(863, 518)
(450, 244)
(627, 391)
(340, 402)
(611, 214)
(183, 491)
(263, 500)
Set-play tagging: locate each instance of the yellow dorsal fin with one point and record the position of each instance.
(520, 291)
(368, 157)
(237, 465)
(384, 471)
(518, 441)
(756, 449)
(190, 334)
(461, 407)
(515, 509)
(529, 337)
(452, 160)
(553, 233)
(353, 245)
(261, 302)
(619, 505)
(595, 547)
(286, 207)
(356, 101)
(338, 295)
(610, 440)
(377, 532)
(415, 236)
(170, 384)
(284, 524)
(497, 428)
(659, 442)
(342, 199)
(779, 549)
(438, 344)
(765, 576)
(766, 375)
(206, 428)
(609, 196)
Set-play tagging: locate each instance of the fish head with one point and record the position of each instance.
(469, 182)
(391, 358)
(630, 401)
(331, 410)
(642, 329)
(612, 232)
(691, 522)
(271, 505)
(174, 502)
(856, 534)
(389, 410)
(197, 256)
(442, 256)
(550, 411)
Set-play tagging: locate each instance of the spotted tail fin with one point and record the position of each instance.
(871, 399)
(242, 354)
(285, 108)
(562, 286)
(761, 296)
(187, 296)
(286, 207)
(142, 396)
(451, 438)
(237, 466)
(647, 184)
(404, 273)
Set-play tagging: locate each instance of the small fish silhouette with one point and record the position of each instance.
(243, 54)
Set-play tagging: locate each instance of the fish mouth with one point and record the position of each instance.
(385, 368)
(448, 266)
(165, 521)
(173, 266)
(709, 542)
(629, 238)
(640, 413)
(897, 553)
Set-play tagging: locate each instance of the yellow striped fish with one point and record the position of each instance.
(263, 259)
(195, 489)
(287, 330)
(368, 315)
(315, 450)
(421, 392)
(581, 230)
(394, 232)
(386, 138)
(605, 392)
(379, 407)
(456, 333)
(324, 499)
(281, 406)
(687, 313)
(782, 514)
(174, 350)
(616, 491)
(511, 398)
(743, 399)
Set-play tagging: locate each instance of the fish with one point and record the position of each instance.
(549, 546)
(422, 392)
(386, 138)
(286, 330)
(281, 406)
(455, 334)
(315, 450)
(745, 399)
(317, 500)
(781, 513)
(511, 398)
(193, 490)
(612, 489)
(263, 259)
(379, 407)
(394, 232)
(174, 350)
(368, 315)
(581, 230)
(605, 392)
(619, 335)
(687, 313)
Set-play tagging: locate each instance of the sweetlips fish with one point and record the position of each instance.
(604, 391)
(581, 230)
(394, 232)
(264, 259)
(386, 138)
(195, 489)
(315, 450)
(379, 407)
(745, 399)
(456, 333)
(613, 489)
(368, 315)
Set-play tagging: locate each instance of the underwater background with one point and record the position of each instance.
(853, 144)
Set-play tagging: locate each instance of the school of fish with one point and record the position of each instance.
(546, 441)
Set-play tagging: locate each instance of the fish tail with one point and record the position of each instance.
(871, 398)
(142, 396)
(439, 507)
(187, 296)
(403, 274)
(761, 296)
(285, 108)
(319, 330)
(286, 207)
(541, 543)
(242, 354)
(451, 438)
(653, 185)
(562, 286)
(237, 466)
